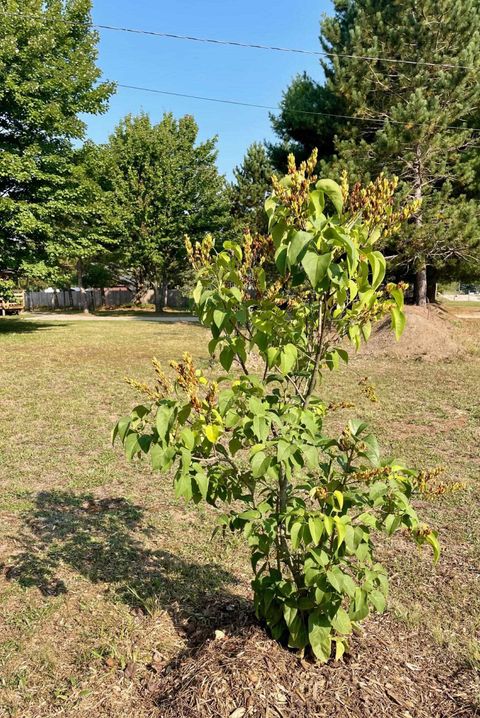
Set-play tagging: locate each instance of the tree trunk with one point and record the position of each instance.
(161, 295)
(56, 303)
(83, 306)
(421, 285)
(421, 268)
(432, 285)
(102, 296)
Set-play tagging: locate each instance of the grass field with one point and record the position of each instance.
(104, 575)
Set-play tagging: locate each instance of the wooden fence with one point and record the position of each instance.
(70, 299)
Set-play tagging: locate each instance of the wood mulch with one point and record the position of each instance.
(391, 670)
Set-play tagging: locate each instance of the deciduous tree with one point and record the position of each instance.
(163, 184)
(48, 77)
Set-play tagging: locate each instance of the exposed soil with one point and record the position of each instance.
(391, 671)
(429, 335)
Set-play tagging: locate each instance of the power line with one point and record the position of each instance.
(255, 46)
(276, 108)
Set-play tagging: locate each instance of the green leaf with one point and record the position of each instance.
(340, 526)
(281, 259)
(197, 292)
(219, 318)
(188, 438)
(398, 321)
(432, 539)
(319, 635)
(315, 525)
(339, 649)
(378, 601)
(315, 266)
(259, 463)
(227, 356)
(341, 622)
(298, 245)
(162, 420)
(343, 355)
(201, 479)
(333, 192)
(335, 580)
(379, 266)
(131, 446)
(250, 515)
(317, 202)
(328, 523)
(397, 294)
(121, 428)
(272, 356)
(183, 487)
(288, 358)
(295, 534)
(156, 456)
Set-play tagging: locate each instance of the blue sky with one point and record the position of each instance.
(232, 73)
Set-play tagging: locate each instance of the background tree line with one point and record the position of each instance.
(103, 214)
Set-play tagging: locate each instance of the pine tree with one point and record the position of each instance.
(48, 76)
(248, 192)
(405, 114)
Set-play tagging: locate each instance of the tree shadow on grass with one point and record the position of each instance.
(9, 325)
(104, 541)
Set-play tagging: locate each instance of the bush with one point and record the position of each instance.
(309, 505)
(7, 287)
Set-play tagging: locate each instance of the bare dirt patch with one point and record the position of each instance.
(389, 672)
(429, 335)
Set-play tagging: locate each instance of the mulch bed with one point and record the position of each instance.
(391, 671)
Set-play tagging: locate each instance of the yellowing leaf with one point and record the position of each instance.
(212, 432)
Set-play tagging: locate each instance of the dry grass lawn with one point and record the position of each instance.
(105, 577)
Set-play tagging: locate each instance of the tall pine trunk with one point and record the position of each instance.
(432, 284)
(420, 294)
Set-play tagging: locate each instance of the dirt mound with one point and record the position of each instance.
(390, 672)
(429, 335)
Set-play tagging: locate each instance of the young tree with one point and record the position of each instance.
(309, 504)
(162, 185)
(411, 119)
(48, 76)
(251, 186)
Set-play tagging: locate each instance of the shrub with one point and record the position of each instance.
(310, 506)
(7, 287)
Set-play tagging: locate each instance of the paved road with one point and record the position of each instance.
(466, 315)
(53, 316)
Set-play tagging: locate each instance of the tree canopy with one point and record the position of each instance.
(162, 184)
(48, 77)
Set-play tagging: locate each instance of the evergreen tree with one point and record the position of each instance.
(411, 119)
(162, 184)
(251, 186)
(48, 76)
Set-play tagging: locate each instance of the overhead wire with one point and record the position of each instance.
(376, 121)
(253, 46)
(276, 108)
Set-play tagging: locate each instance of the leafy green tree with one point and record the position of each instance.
(162, 185)
(308, 504)
(48, 76)
(250, 188)
(412, 120)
